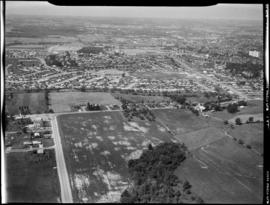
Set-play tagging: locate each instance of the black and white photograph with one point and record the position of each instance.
(133, 104)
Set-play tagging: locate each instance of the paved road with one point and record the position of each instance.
(66, 194)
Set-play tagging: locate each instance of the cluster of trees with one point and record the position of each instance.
(24, 110)
(90, 107)
(247, 70)
(153, 177)
(12, 124)
(232, 108)
(212, 106)
(179, 99)
(131, 110)
(60, 60)
(90, 50)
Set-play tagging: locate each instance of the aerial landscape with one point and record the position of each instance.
(124, 109)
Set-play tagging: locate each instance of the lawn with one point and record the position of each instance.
(31, 182)
(160, 75)
(35, 101)
(224, 172)
(200, 137)
(97, 147)
(62, 101)
(253, 107)
(140, 98)
(245, 117)
(182, 121)
(252, 134)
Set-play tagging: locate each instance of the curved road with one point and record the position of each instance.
(66, 194)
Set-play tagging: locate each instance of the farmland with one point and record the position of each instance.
(224, 172)
(140, 98)
(219, 169)
(97, 147)
(35, 101)
(253, 107)
(29, 181)
(183, 121)
(251, 134)
(62, 101)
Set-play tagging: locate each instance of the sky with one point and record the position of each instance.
(220, 11)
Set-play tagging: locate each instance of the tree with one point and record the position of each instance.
(251, 119)
(238, 121)
(232, 108)
(226, 122)
(248, 146)
(150, 147)
(240, 141)
(24, 129)
(51, 110)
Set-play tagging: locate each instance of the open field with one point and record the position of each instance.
(97, 147)
(159, 75)
(29, 181)
(35, 101)
(245, 117)
(183, 121)
(224, 172)
(62, 101)
(253, 107)
(141, 51)
(251, 134)
(201, 137)
(140, 98)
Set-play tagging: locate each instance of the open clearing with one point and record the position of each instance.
(29, 181)
(183, 121)
(97, 147)
(253, 107)
(245, 117)
(251, 134)
(35, 101)
(140, 98)
(201, 137)
(62, 101)
(224, 172)
(159, 75)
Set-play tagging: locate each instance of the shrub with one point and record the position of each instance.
(251, 119)
(238, 121)
(240, 141)
(232, 108)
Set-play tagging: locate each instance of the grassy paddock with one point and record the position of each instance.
(140, 98)
(35, 101)
(62, 101)
(252, 134)
(29, 181)
(224, 172)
